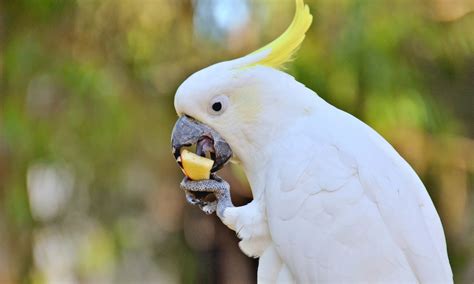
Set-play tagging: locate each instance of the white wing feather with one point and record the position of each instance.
(346, 207)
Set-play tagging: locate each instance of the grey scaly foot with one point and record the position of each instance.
(216, 185)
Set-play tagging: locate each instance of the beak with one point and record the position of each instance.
(188, 132)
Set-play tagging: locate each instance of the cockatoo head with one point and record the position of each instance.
(235, 107)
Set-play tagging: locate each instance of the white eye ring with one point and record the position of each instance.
(218, 104)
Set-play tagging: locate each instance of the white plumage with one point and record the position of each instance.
(333, 201)
(345, 207)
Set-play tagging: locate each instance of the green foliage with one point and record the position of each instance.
(88, 187)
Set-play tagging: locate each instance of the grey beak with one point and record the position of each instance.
(188, 131)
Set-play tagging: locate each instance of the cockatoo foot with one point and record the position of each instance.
(211, 195)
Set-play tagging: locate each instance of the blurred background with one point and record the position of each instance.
(88, 186)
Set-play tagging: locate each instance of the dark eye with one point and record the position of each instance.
(217, 106)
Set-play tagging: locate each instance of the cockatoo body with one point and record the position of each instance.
(333, 201)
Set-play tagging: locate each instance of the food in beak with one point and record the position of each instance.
(188, 132)
(196, 167)
(211, 154)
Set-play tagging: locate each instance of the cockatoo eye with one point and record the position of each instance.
(218, 104)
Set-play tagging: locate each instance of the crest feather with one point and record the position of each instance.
(282, 49)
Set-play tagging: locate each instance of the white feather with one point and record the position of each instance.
(353, 210)
(333, 201)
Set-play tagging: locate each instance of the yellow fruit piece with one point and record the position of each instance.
(196, 167)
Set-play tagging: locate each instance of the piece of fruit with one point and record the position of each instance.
(196, 167)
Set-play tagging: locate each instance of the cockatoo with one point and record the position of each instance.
(333, 202)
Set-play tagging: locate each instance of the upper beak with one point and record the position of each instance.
(188, 131)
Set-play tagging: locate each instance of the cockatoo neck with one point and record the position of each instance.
(284, 103)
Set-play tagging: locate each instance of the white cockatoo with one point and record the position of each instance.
(333, 202)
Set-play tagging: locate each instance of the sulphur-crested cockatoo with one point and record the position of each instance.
(333, 202)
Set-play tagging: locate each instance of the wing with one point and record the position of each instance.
(406, 208)
(354, 210)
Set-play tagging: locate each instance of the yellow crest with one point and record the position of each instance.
(282, 49)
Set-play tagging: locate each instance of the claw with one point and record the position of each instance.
(191, 198)
(209, 208)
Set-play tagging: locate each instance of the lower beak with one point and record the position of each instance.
(188, 132)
